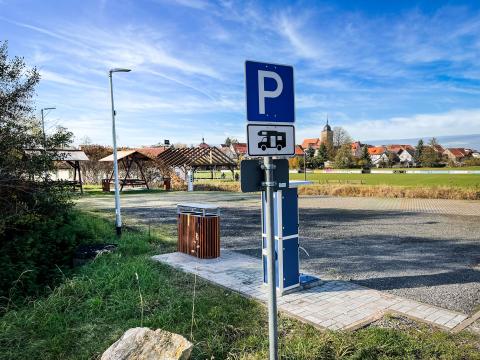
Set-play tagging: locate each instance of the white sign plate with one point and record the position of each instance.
(270, 140)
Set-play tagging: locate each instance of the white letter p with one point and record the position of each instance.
(262, 93)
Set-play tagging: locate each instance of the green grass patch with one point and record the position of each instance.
(99, 301)
(408, 180)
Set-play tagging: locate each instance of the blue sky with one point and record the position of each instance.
(380, 69)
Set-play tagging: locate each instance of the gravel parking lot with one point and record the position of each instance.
(424, 250)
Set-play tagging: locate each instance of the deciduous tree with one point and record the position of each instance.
(341, 137)
(344, 157)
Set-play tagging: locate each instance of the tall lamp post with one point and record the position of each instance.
(118, 216)
(43, 126)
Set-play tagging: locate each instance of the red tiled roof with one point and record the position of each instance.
(313, 143)
(152, 152)
(397, 147)
(438, 148)
(376, 150)
(356, 145)
(459, 152)
(240, 148)
(298, 150)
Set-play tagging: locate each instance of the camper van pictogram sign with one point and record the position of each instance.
(270, 140)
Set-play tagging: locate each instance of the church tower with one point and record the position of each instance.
(326, 136)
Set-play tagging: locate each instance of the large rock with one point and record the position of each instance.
(145, 344)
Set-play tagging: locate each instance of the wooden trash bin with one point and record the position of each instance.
(167, 184)
(199, 230)
(106, 185)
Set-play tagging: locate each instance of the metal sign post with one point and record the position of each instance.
(270, 132)
(272, 289)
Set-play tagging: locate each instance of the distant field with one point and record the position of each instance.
(410, 180)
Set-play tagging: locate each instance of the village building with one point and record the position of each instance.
(299, 151)
(438, 149)
(407, 157)
(457, 155)
(203, 144)
(379, 155)
(357, 149)
(313, 143)
(326, 137)
(397, 148)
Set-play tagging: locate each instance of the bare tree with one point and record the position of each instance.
(341, 137)
(180, 145)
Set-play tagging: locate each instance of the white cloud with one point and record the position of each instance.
(454, 122)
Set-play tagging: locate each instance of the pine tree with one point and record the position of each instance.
(322, 154)
(309, 157)
(419, 150)
(365, 159)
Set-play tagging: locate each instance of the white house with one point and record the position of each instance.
(406, 157)
(379, 155)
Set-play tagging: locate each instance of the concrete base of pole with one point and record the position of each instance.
(119, 230)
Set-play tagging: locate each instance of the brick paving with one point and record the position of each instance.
(428, 206)
(226, 200)
(334, 305)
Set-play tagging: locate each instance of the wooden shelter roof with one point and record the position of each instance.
(145, 153)
(63, 154)
(195, 157)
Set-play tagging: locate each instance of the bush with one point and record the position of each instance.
(40, 252)
(472, 162)
(35, 217)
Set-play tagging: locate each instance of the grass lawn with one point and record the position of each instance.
(97, 302)
(410, 180)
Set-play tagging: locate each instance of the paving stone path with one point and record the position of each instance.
(335, 305)
(426, 206)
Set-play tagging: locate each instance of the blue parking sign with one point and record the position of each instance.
(270, 93)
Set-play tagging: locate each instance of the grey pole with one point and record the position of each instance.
(43, 132)
(305, 164)
(43, 126)
(272, 290)
(118, 215)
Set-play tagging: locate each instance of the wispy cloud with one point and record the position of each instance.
(410, 72)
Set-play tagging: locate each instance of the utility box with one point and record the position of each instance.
(198, 230)
(286, 224)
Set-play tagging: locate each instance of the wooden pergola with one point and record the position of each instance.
(71, 157)
(127, 158)
(208, 158)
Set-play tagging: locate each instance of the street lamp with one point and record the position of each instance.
(43, 126)
(118, 216)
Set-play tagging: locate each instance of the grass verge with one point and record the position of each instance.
(99, 301)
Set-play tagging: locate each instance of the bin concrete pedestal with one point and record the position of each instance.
(286, 223)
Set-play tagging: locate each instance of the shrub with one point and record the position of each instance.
(35, 236)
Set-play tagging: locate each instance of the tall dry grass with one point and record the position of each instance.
(434, 192)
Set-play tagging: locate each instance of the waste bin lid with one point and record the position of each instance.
(204, 208)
